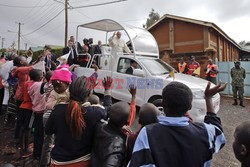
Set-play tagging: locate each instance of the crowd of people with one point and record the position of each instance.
(238, 75)
(72, 127)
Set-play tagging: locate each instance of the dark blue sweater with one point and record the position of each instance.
(67, 147)
(173, 142)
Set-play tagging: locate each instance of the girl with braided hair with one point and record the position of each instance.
(74, 125)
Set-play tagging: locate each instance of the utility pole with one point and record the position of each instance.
(19, 35)
(66, 23)
(2, 43)
(26, 46)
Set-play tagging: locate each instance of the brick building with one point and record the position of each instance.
(182, 37)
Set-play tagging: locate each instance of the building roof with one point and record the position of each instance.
(200, 22)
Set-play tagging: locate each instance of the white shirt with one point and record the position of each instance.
(118, 45)
(72, 52)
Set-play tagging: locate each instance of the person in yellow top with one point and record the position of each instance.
(211, 72)
(182, 66)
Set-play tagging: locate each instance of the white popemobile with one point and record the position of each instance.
(151, 74)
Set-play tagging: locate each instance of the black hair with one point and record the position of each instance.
(16, 61)
(74, 115)
(176, 99)
(157, 102)
(132, 61)
(36, 74)
(85, 41)
(79, 89)
(48, 75)
(243, 134)
(119, 114)
(237, 62)
(47, 47)
(90, 41)
(2, 55)
(94, 99)
(148, 114)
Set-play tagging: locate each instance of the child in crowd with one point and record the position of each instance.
(241, 144)
(26, 112)
(21, 73)
(110, 138)
(73, 125)
(110, 141)
(38, 108)
(47, 86)
(12, 107)
(185, 143)
(10, 84)
(57, 94)
(147, 115)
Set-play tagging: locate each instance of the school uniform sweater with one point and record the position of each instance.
(174, 142)
(67, 148)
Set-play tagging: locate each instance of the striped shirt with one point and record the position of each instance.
(174, 142)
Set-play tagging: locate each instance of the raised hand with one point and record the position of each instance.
(107, 83)
(210, 92)
(132, 90)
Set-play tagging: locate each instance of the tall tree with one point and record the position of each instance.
(152, 18)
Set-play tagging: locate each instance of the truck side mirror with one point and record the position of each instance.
(138, 73)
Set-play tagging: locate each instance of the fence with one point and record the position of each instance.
(224, 75)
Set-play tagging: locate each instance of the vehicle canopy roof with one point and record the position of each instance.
(142, 42)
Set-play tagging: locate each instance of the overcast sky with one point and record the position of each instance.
(232, 16)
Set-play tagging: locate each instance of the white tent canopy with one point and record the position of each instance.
(143, 43)
(103, 25)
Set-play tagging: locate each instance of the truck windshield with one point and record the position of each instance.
(156, 66)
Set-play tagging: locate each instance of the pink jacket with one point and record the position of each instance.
(38, 100)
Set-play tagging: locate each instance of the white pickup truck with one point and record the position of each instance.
(151, 75)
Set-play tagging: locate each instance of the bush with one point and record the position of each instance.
(57, 52)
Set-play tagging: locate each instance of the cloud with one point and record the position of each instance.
(231, 15)
(228, 9)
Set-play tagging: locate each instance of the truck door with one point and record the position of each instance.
(123, 78)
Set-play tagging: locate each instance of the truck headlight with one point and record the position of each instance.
(198, 94)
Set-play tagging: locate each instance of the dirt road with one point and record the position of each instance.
(231, 116)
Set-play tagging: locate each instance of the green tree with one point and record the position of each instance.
(152, 18)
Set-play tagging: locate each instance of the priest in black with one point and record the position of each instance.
(133, 65)
(72, 59)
